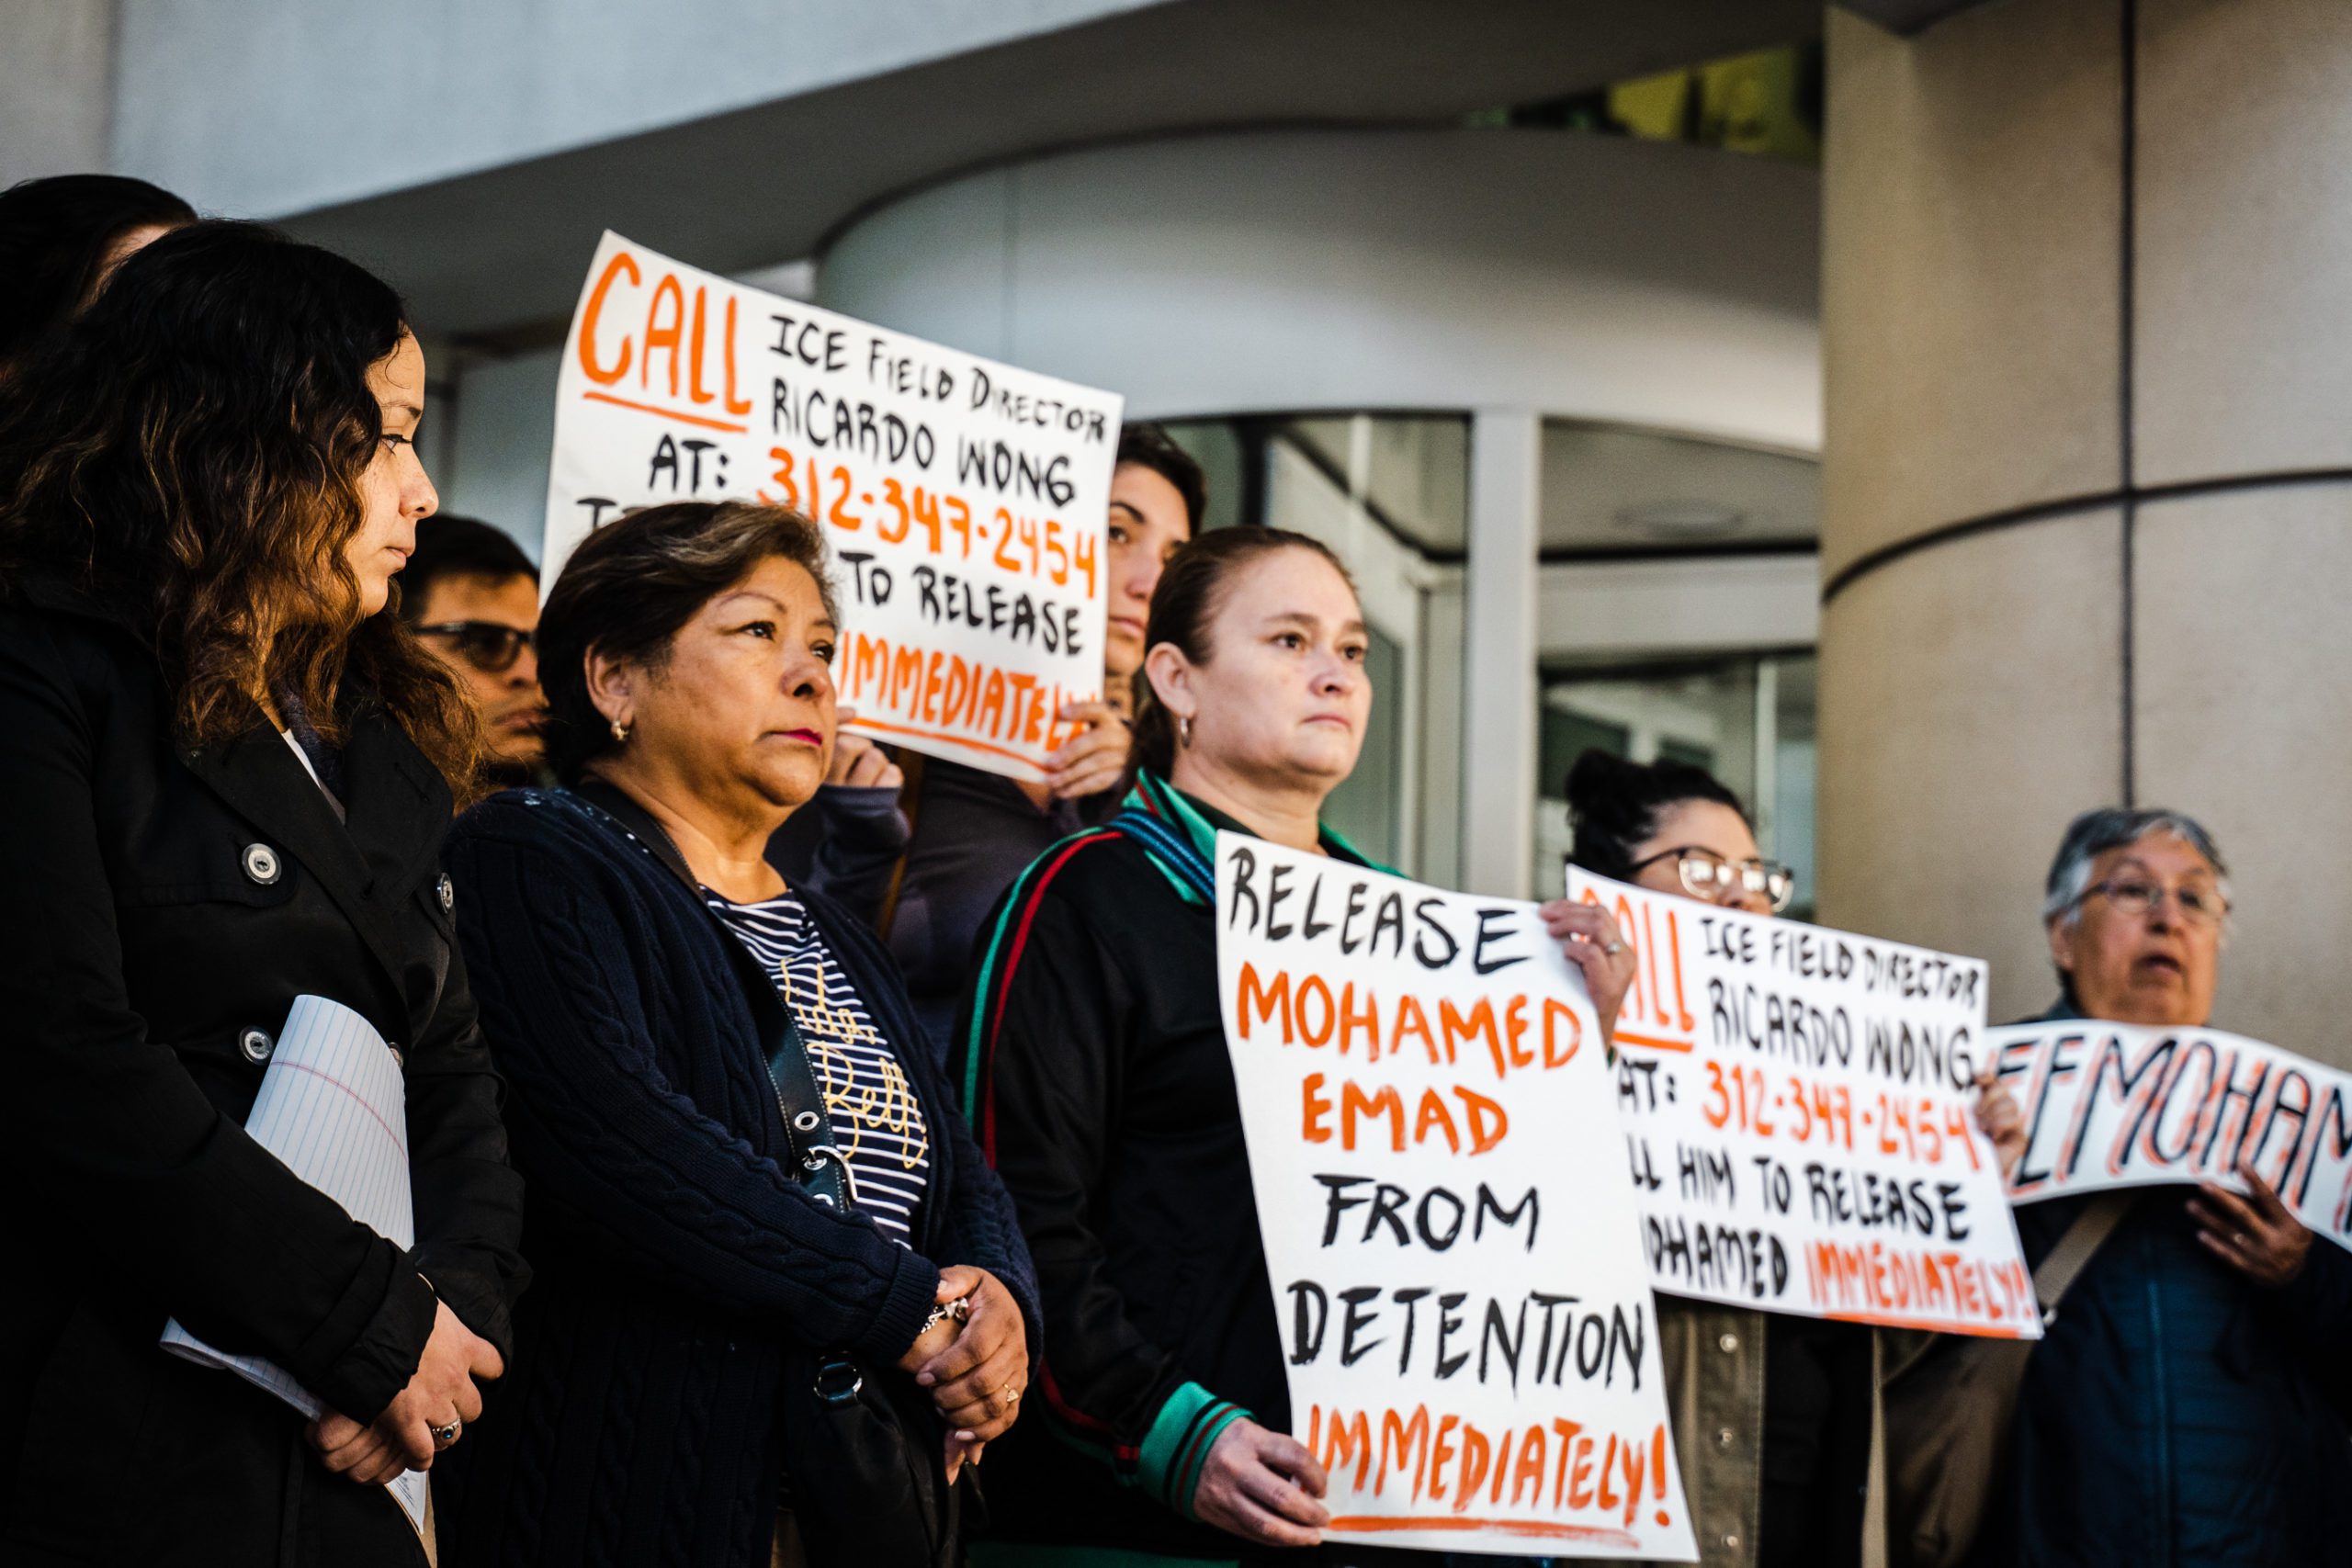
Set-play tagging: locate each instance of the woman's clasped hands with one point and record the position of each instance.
(443, 1394)
(976, 1369)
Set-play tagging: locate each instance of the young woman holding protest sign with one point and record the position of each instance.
(925, 848)
(224, 782)
(1093, 1060)
(1771, 1417)
(1773, 1411)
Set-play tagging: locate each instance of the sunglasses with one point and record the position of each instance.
(487, 646)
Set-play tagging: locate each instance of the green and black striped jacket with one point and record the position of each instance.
(1091, 1059)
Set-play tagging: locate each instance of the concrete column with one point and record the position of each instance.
(1498, 719)
(2087, 472)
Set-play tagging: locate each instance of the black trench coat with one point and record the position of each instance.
(160, 910)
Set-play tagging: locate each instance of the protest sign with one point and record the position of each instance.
(1796, 1104)
(1455, 1256)
(2112, 1105)
(963, 501)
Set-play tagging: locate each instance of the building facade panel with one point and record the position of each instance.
(2241, 646)
(1648, 283)
(1970, 703)
(1970, 275)
(333, 102)
(2243, 354)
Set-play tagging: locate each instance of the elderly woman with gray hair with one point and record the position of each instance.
(2188, 1405)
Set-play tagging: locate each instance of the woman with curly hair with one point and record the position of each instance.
(225, 784)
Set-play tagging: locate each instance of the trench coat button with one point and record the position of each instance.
(1728, 1344)
(1731, 1541)
(261, 864)
(449, 891)
(256, 1044)
(1726, 1436)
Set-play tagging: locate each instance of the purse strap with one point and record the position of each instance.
(809, 1131)
(2077, 1247)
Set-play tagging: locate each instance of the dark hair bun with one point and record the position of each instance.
(1599, 779)
(1615, 806)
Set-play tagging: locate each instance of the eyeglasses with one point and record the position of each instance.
(2197, 906)
(487, 646)
(1708, 876)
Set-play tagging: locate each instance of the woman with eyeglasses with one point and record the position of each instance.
(2192, 1403)
(1771, 1415)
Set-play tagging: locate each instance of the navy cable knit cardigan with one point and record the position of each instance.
(674, 1253)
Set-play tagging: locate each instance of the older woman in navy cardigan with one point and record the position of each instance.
(685, 655)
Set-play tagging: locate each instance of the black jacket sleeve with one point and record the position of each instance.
(1041, 1062)
(2316, 1304)
(668, 1192)
(984, 1230)
(469, 1199)
(107, 1126)
(859, 836)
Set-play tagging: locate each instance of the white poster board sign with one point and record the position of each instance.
(1796, 1103)
(963, 501)
(1455, 1255)
(2111, 1105)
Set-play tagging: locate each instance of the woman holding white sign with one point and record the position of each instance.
(1771, 1418)
(1772, 1413)
(2191, 1401)
(925, 863)
(1093, 1060)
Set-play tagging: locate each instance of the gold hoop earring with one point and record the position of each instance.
(620, 732)
(1184, 731)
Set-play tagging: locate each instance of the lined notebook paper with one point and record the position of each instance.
(333, 1107)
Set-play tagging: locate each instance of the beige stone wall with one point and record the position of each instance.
(2001, 504)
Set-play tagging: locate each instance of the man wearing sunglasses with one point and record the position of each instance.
(472, 597)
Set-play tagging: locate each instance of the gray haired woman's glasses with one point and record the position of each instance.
(2135, 900)
(1708, 876)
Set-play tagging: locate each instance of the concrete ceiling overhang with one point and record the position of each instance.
(1907, 15)
(505, 249)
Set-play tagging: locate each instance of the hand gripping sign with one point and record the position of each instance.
(963, 501)
(1455, 1254)
(1796, 1106)
(2111, 1105)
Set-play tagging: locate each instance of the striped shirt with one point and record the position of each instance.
(877, 1121)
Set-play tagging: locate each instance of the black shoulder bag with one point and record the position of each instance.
(865, 1455)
